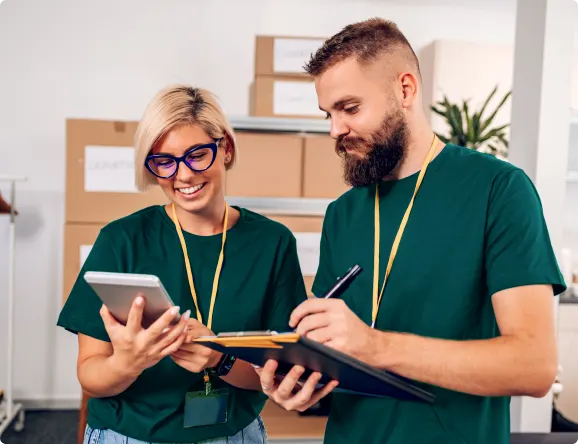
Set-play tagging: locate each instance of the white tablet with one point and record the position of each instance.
(118, 290)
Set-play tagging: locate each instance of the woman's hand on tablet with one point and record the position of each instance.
(136, 348)
(195, 357)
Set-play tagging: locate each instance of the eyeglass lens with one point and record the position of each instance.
(198, 160)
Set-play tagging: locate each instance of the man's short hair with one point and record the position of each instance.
(365, 41)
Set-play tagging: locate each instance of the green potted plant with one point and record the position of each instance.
(474, 130)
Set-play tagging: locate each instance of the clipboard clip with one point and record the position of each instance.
(238, 334)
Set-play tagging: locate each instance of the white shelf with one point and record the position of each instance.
(572, 177)
(276, 124)
(9, 178)
(574, 117)
(282, 206)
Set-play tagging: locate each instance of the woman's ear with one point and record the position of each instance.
(228, 149)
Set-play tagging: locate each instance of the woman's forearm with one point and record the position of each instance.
(101, 376)
(243, 375)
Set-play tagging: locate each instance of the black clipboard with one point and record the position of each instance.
(289, 349)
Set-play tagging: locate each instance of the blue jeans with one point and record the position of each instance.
(254, 433)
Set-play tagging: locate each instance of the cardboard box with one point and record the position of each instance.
(100, 172)
(323, 172)
(285, 97)
(290, 426)
(270, 165)
(300, 224)
(78, 240)
(279, 55)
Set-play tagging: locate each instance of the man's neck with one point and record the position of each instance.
(415, 155)
(207, 222)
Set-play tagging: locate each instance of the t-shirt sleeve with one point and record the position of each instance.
(80, 313)
(518, 249)
(325, 276)
(287, 289)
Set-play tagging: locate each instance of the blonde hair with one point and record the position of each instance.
(177, 105)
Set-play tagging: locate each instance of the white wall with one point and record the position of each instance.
(104, 59)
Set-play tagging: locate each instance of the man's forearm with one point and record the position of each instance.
(101, 376)
(502, 366)
(243, 375)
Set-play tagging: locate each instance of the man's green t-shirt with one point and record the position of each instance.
(476, 228)
(260, 285)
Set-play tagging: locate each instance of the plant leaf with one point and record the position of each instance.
(489, 120)
(442, 113)
(487, 101)
(496, 132)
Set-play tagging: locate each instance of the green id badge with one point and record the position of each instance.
(208, 407)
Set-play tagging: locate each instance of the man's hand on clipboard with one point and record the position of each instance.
(289, 393)
(331, 322)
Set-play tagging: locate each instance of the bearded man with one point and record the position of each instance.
(458, 269)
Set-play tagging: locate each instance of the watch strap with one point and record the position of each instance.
(225, 365)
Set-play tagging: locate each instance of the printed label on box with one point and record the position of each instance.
(109, 169)
(308, 252)
(290, 55)
(84, 252)
(295, 98)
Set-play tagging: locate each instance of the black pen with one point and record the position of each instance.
(342, 283)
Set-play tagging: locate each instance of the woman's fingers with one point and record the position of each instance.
(319, 394)
(289, 383)
(172, 334)
(159, 326)
(108, 319)
(134, 321)
(267, 375)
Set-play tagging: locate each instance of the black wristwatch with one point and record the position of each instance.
(225, 365)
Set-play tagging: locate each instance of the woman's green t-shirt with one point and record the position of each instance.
(260, 285)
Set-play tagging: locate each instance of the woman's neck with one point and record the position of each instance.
(207, 222)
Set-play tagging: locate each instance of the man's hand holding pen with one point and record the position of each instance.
(332, 323)
(327, 320)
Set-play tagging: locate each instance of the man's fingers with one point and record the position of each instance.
(311, 306)
(134, 322)
(312, 323)
(322, 335)
(157, 328)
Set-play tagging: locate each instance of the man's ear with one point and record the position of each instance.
(409, 89)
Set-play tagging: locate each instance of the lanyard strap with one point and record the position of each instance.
(190, 273)
(397, 240)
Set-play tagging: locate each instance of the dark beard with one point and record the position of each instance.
(385, 151)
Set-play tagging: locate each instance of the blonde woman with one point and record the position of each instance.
(227, 268)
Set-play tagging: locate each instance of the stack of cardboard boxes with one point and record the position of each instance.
(281, 88)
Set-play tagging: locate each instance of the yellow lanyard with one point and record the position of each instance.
(397, 240)
(190, 273)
